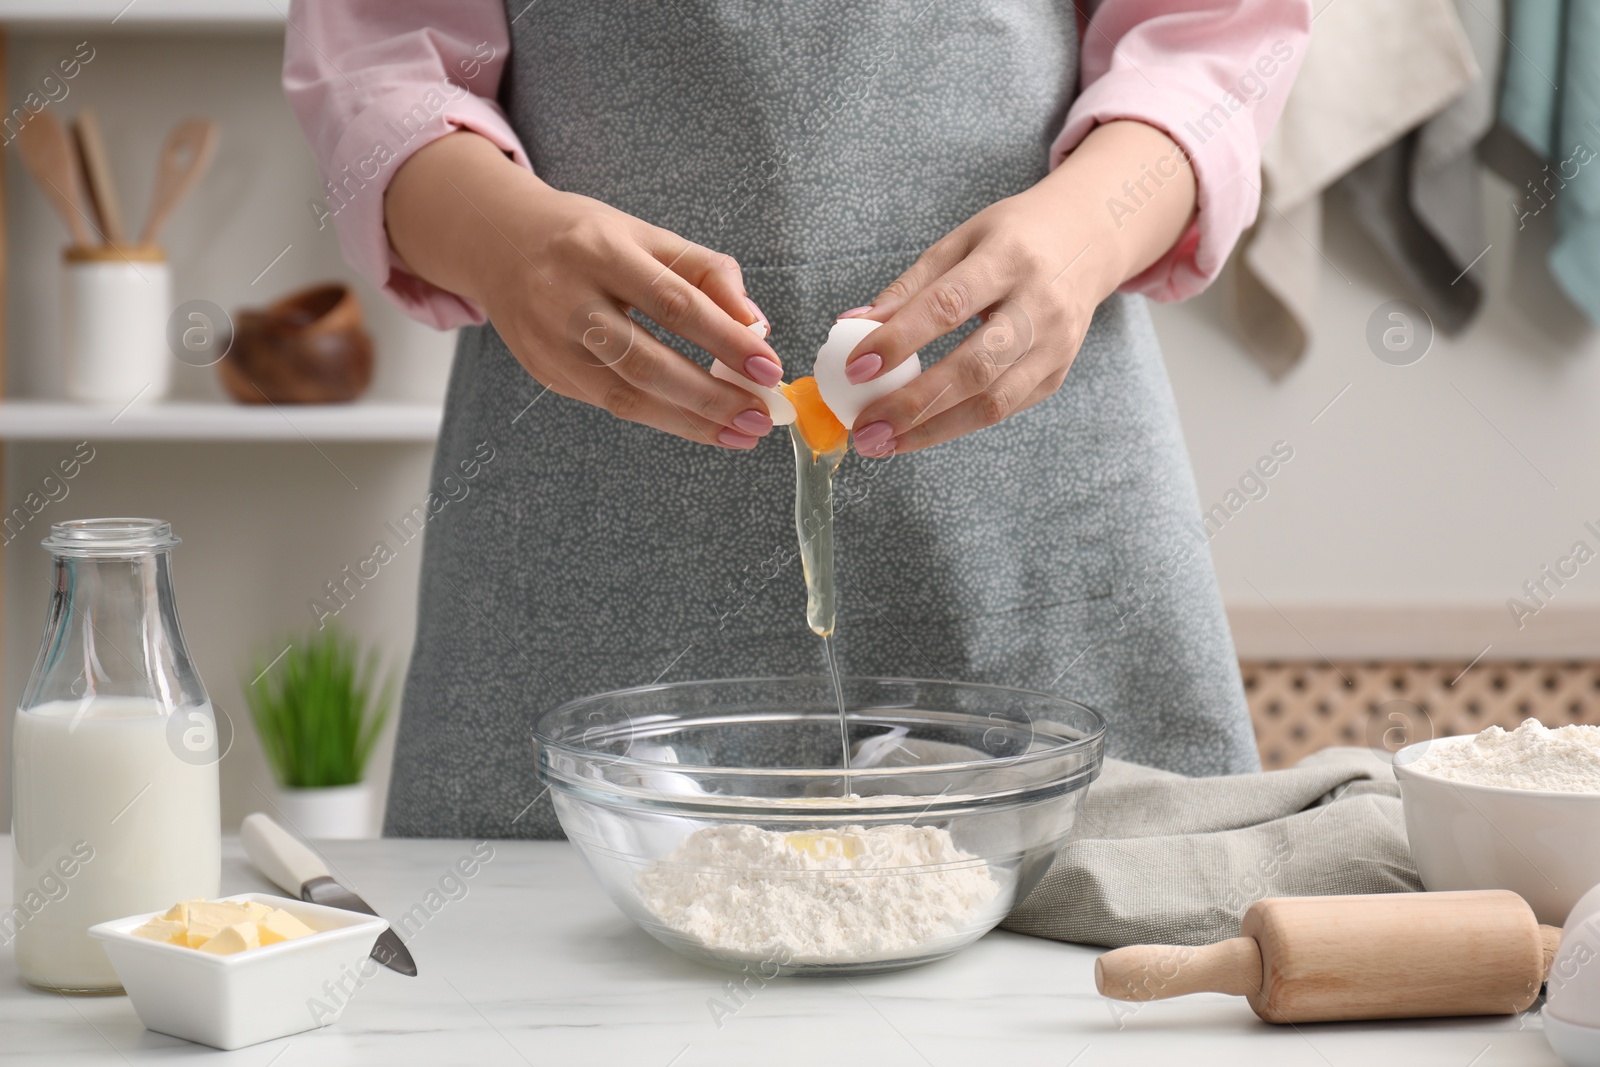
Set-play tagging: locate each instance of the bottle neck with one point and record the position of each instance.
(112, 630)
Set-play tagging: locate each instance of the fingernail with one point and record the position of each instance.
(763, 370)
(863, 367)
(755, 310)
(735, 439)
(875, 439)
(753, 422)
(853, 312)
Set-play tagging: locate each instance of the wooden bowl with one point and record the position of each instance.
(309, 347)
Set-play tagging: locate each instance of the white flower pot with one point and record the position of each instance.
(342, 811)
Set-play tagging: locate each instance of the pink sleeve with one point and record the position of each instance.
(372, 81)
(1213, 75)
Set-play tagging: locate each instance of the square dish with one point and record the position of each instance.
(228, 1002)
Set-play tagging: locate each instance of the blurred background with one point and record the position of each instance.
(1443, 432)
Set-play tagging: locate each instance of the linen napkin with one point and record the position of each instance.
(1158, 858)
(1373, 71)
(1551, 100)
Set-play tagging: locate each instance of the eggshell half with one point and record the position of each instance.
(778, 405)
(845, 397)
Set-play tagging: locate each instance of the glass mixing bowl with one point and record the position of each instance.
(719, 817)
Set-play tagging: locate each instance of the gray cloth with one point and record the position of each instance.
(1374, 70)
(824, 146)
(1161, 859)
(1419, 199)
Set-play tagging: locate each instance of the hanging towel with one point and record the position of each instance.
(1374, 71)
(1551, 101)
(1419, 199)
(1158, 858)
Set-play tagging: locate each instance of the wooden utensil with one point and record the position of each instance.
(97, 177)
(184, 158)
(1384, 956)
(48, 154)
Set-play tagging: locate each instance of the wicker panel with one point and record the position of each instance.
(1301, 707)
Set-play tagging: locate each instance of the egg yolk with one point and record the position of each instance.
(819, 426)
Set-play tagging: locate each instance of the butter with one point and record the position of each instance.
(179, 912)
(208, 918)
(279, 925)
(236, 938)
(825, 844)
(223, 927)
(167, 930)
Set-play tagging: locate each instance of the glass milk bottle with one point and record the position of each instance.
(114, 798)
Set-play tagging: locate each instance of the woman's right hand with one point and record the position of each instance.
(557, 272)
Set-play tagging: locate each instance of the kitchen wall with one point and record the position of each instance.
(1426, 495)
(1414, 506)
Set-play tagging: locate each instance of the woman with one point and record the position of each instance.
(711, 164)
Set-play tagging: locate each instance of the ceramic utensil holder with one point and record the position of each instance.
(115, 304)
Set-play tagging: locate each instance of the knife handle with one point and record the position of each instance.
(279, 855)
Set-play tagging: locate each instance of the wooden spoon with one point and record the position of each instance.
(97, 173)
(184, 158)
(48, 154)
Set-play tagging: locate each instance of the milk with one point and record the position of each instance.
(109, 821)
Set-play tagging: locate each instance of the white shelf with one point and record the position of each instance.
(41, 420)
(120, 14)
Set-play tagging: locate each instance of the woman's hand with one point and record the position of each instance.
(1034, 266)
(557, 272)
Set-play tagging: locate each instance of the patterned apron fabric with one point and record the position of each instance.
(823, 146)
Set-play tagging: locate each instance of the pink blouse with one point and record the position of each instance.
(372, 81)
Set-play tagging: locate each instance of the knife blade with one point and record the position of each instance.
(295, 868)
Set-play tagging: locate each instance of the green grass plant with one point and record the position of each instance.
(319, 709)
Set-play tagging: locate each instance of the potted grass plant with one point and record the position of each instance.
(318, 710)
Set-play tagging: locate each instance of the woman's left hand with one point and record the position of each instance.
(1034, 266)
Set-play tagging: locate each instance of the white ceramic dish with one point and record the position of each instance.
(228, 1002)
(1541, 845)
(1578, 1046)
(1572, 992)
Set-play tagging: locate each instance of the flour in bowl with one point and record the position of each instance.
(1563, 760)
(830, 896)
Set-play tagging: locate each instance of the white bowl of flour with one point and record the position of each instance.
(1507, 809)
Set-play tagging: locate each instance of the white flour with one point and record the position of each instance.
(829, 896)
(1564, 760)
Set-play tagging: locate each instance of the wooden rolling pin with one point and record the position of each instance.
(1384, 956)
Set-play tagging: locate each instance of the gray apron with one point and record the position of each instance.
(824, 146)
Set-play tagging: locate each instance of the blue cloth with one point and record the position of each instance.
(1551, 100)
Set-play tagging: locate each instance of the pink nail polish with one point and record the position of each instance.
(753, 422)
(853, 312)
(760, 315)
(863, 367)
(875, 439)
(735, 439)
(763, 370)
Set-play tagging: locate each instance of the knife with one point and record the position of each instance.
(291, 865)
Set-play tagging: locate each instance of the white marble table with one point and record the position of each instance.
(533, 965)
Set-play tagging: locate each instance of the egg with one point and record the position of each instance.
(778, 405)
(819, 426)
(828, 391)
(845, 397)
(1572, 997)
